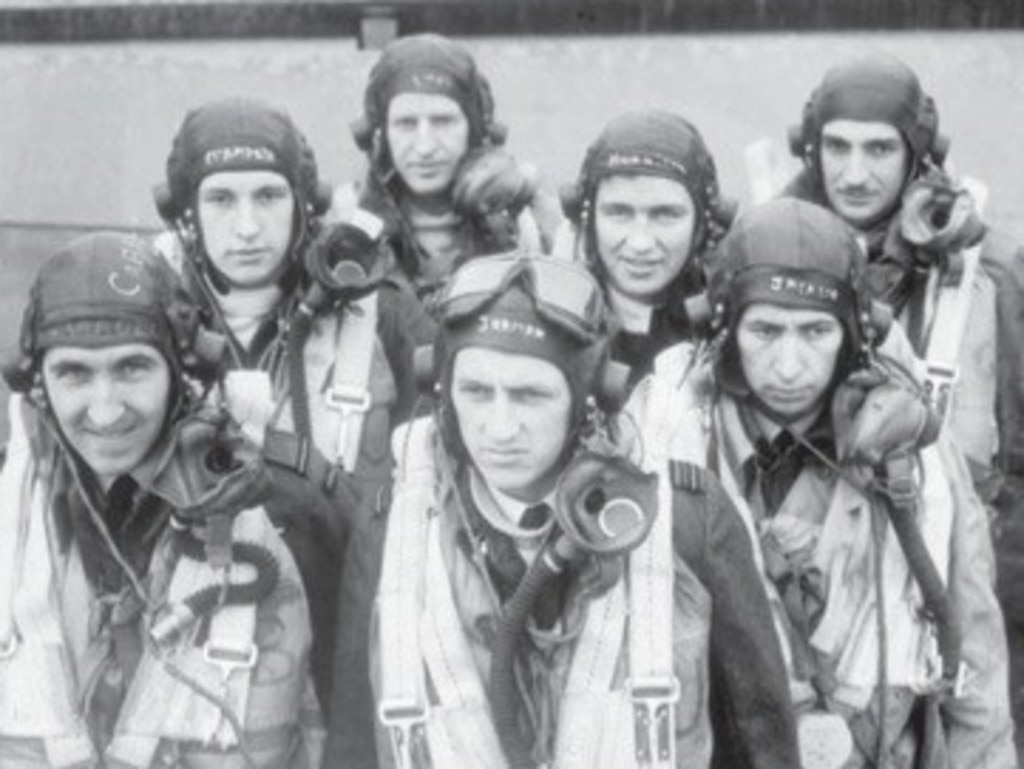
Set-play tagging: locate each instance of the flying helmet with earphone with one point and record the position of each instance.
(108, 289)
(795, 254)
(432, 64)
(872, 89)
(651, 143)
(239, 134)
(521, 304)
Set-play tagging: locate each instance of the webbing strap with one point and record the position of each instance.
(673, 422)
(466, 736)
(653, 685)
(591, 678)
(14, 486)
(349, 395)
(952, 305)
(403, 706)
(161, 700)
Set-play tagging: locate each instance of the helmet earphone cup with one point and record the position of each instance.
(323, 196)
(362, 133)
(165, 203)
(571, 198)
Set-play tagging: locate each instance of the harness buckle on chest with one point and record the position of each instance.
(229, 660)
(653, 700)
(352, 403)
(406, 722)
(939, 387)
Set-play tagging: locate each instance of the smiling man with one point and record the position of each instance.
(846, 512)
(116, 479)
(566, 608)
(318, 372)
(646, 208)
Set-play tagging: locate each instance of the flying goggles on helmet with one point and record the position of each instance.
(563, 294)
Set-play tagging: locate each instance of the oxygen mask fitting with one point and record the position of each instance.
(604, 506)
(346, 264)
(208, 474)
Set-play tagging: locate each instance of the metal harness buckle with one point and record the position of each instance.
(938, 386)
(229, 660)
(350, 401)
(653, 717)
(406, 722)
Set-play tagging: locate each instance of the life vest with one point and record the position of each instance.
(635, 691)
(674, 410)
(49, 646)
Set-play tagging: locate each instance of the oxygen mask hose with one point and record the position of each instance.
(605, 508)
(901, 503)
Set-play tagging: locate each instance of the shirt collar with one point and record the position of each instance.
(504, 513)
(740, 433)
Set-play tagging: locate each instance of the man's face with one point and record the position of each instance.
(789, 356)
(428, 135)
(110, 403)
(864, 167)
(644, 228)
(247, 219)
(513, 413)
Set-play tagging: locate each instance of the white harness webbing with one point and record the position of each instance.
(223, 667)
(420, 630)
(653, 685)
(36, 696)
(950, 295)
(402, 704)
(466, 736)
(13, 523)
(349, 398)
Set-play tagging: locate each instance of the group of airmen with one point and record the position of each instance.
(446, 474)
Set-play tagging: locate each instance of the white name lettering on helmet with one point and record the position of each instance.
(788, 285)
(490, 324)
(640, 160)
(223, 156)
(125, 281)
(429, 81)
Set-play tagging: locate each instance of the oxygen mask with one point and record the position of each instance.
(604, 505)
(346, 264)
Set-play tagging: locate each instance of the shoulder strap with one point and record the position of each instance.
(951, 316)
(670, 411)
(402, 706)
(458, 732)
(653, 685)
(349, 393)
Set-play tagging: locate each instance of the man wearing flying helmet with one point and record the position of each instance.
(543, 601)
(873, 154)
(791, 403)
(142, 587)
(644, 211)
(319, 368)
(438, 175)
